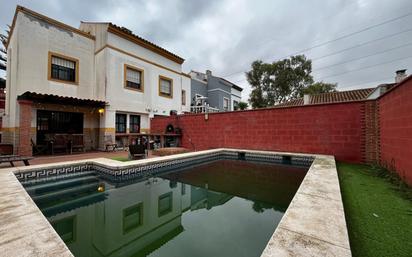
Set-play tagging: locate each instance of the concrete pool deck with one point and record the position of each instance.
(313, 225)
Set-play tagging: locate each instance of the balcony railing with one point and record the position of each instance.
(203, 109)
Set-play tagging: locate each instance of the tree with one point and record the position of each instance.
(242, 105)
(319, 88)
(3, 49)
(280, 81)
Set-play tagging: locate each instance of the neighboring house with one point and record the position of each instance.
(334, 97)
(215, 92)
(100, 80)
(346, 96)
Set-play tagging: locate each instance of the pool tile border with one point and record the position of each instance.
(318, 199)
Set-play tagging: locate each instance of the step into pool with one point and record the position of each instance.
(221, 208)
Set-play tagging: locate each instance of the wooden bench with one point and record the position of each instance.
(15, 158)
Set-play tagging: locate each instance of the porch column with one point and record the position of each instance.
(107, 128)
(24, 147)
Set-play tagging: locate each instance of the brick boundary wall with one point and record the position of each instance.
(371, 131)
(325, 129)
(395, 122)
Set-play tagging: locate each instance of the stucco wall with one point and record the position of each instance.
(101, 72)
(198, 87)
(32, 41)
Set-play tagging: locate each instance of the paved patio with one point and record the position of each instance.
(72, 157)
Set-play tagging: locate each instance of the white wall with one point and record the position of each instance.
(100, 75)
(32, 40)
(122, 99)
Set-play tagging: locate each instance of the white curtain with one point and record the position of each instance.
(63, 62)
(133, 76)
(165, 86)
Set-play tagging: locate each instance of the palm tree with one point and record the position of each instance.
(3, 50)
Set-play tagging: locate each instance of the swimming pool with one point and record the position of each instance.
(313, 223)
(226, 206)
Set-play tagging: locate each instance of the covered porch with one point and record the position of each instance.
(52, 124)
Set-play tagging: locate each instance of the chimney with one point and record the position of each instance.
(306, 99)
(400, 75)
(208, 73)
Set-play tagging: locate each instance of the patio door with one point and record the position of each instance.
(55, 122)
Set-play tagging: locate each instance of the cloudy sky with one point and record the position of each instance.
(355, 43)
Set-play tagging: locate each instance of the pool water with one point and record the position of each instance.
(223, 208)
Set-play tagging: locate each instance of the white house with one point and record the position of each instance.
(101, 81)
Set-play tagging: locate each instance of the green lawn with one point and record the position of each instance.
(379, 217)
(120, 158)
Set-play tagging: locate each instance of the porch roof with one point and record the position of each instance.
(56, 99)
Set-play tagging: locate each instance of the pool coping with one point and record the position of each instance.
(322, 232)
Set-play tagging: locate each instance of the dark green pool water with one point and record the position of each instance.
(224, 208)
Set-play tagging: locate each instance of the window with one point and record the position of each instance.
(133, 78)
(165, 204)
(134, 123)
(120, 123)
(183, 97)
(132, 217)
(66, 228)
(183, 189)
(62, 68)
(235, 105)
(165, 87)
(225, 103)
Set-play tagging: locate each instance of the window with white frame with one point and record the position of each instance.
(225, 103)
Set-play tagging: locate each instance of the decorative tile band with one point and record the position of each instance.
(158, 167)
(52, 171)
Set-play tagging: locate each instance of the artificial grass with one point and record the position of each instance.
(120, 158)
(378, 214)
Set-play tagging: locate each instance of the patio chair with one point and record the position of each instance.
(77, 142)
(60, 142)
(109, 143)
(137, 151)
(38, 149)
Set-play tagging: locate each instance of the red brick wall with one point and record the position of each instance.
(325, 129)
(24, 147)
(395, 109)
(370, 126)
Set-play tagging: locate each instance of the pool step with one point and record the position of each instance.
(61, 184)
(60, 195)
(56, 178)
(73, 204)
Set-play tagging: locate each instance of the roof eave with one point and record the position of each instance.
(144, 43)
(57, 23)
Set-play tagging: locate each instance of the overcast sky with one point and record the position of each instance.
(225, 36)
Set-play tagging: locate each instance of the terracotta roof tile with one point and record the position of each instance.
(334, 97)
(175, 57)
